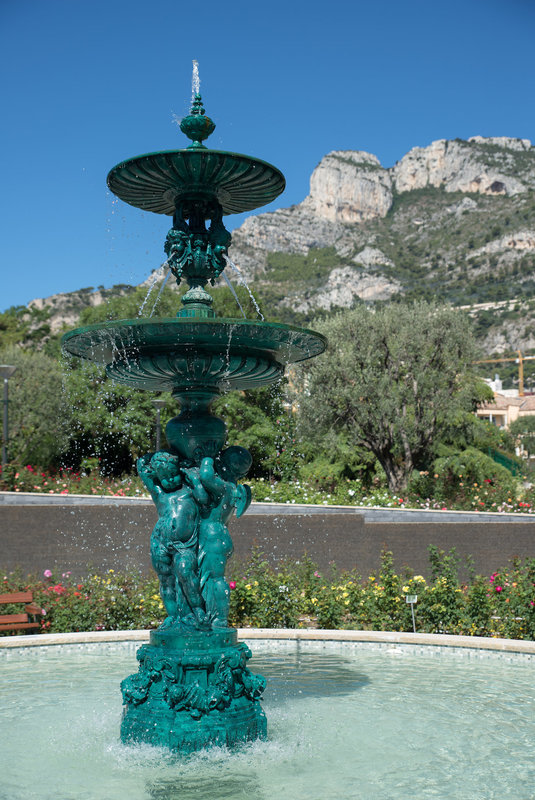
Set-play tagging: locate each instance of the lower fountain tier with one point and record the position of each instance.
(183, 353)
(193, 690)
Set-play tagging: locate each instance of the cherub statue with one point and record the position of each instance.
(174, 540)
(218, 479)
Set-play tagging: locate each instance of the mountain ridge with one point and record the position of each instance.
(454, 220)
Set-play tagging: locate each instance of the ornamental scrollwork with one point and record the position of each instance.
(194, 253)
(167, 679)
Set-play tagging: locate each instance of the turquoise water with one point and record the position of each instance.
(362, 722)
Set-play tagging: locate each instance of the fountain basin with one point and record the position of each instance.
(184, 352)
(346, 719)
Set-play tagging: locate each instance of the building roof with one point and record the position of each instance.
(503, 402)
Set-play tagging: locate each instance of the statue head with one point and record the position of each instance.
(166, 466)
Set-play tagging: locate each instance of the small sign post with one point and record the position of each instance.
(412, 599)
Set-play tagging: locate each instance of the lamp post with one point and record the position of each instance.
(6, 371)
(158, 405)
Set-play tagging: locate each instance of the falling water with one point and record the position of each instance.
(160, 290)
(195, 81)
(231, 287)
(152, 284)
(231, 330)
(243, 282)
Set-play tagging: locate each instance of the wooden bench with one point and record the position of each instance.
(19, 622)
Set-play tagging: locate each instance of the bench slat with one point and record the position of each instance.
(19, 622)
(13, 618)
(16, 597)
(18, 626)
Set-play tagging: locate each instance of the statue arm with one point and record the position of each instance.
(210, 479)
(146, 474)
(192, 478)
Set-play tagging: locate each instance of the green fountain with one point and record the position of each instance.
(193, 688)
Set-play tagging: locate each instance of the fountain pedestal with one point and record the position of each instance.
(193, 690)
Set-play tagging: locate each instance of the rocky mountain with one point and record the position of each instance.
(453, 221)
(63, 310)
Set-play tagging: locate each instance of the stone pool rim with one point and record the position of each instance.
(286, 634)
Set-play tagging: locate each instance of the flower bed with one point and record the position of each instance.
(483, 495)
(297, 594)
(32, 479)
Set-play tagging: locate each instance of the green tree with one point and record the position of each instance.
(111, 422)
(259, 421)
(391, 379)
(38, 417)
(523, 429)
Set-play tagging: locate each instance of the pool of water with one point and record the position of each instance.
(345, 721)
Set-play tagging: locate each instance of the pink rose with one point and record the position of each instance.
(47, 573)
(232, 584)
(499, 588)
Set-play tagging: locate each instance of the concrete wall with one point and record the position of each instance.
(82, 538)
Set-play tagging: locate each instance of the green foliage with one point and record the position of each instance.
(350, 492)
(38, 418)
(469, 476)
(293, 267)
(390, 381)
(329, 466)
(128, 306)
(108, 421)
(444, 565)
(22, 325)
(523, 429)
(382, 607)
(167, 303)
(263, 597)
(512, 598)
(252, 420)
(225, 304)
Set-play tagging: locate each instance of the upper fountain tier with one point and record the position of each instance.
(162, 181)
(195, 350)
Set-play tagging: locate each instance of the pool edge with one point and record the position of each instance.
(299, 634)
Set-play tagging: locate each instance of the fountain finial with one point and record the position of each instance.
(197, 126)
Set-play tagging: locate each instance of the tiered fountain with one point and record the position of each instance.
(193, 687)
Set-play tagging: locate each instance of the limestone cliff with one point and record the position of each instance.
(349, 187)
(485, 166)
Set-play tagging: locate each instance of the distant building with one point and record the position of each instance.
(505, 408)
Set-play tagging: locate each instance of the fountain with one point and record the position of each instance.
(193, 688)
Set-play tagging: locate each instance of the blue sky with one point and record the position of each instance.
(87, 83)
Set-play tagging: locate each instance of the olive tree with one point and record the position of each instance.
(38, 417)
(391, 380)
